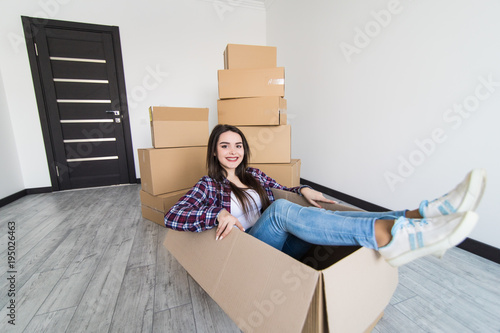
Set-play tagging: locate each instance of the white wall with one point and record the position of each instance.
(11, 179)
(353, 117)
(359, 101)
(180, 41)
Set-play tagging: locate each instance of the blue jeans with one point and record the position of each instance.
(292, 228)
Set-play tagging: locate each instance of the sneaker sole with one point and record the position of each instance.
(469, 221)
(475, 190)
(474, 194)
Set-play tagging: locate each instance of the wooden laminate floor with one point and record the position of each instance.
(86, 261)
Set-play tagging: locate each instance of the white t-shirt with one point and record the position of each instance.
(253, 214)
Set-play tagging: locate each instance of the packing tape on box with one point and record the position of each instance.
(276, 82)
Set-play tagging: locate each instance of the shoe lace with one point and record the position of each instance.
(406, 223)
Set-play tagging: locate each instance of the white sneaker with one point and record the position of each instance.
(464, 197)
(415, 238)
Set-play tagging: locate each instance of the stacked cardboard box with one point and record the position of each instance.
(251, 97)
(177, 161)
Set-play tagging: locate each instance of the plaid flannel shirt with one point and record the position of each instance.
(197, 210)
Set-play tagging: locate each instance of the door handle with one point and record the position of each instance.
(116, 113)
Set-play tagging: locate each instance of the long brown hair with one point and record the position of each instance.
(217, 172)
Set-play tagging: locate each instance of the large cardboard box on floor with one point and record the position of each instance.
(178, 126)
(253, 111)
(166, 170)
(269, 144)
(239, 83)
(154, 207)
(237, 56)
(287, 174)
(261, 289)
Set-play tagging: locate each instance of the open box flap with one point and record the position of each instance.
(259, 287)
(367, 281)
(316, 317)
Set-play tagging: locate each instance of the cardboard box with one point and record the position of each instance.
(167, 170)
(153, 215)
(268, 144)
(154, 207)
(343, 289)
(269, 110)
(178, 127)
(287, 174)
(238, 56)
(238, 83)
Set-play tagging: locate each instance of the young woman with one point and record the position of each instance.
(234, 195)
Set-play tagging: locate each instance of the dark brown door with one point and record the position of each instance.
(78, 75)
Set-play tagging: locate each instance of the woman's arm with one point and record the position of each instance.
(269, 182)
(226, 224)
(311, 195)
(197, 210)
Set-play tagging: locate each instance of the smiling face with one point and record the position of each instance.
(230, 151)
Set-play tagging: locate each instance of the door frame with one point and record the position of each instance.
(29, 26)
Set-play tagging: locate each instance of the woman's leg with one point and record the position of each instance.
(318, 226)
(398, 236)
(293, 246)
(378, 215)
(411, 214)
(296, 247)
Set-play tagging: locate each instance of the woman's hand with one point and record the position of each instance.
(226, 224)
(313, 197)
